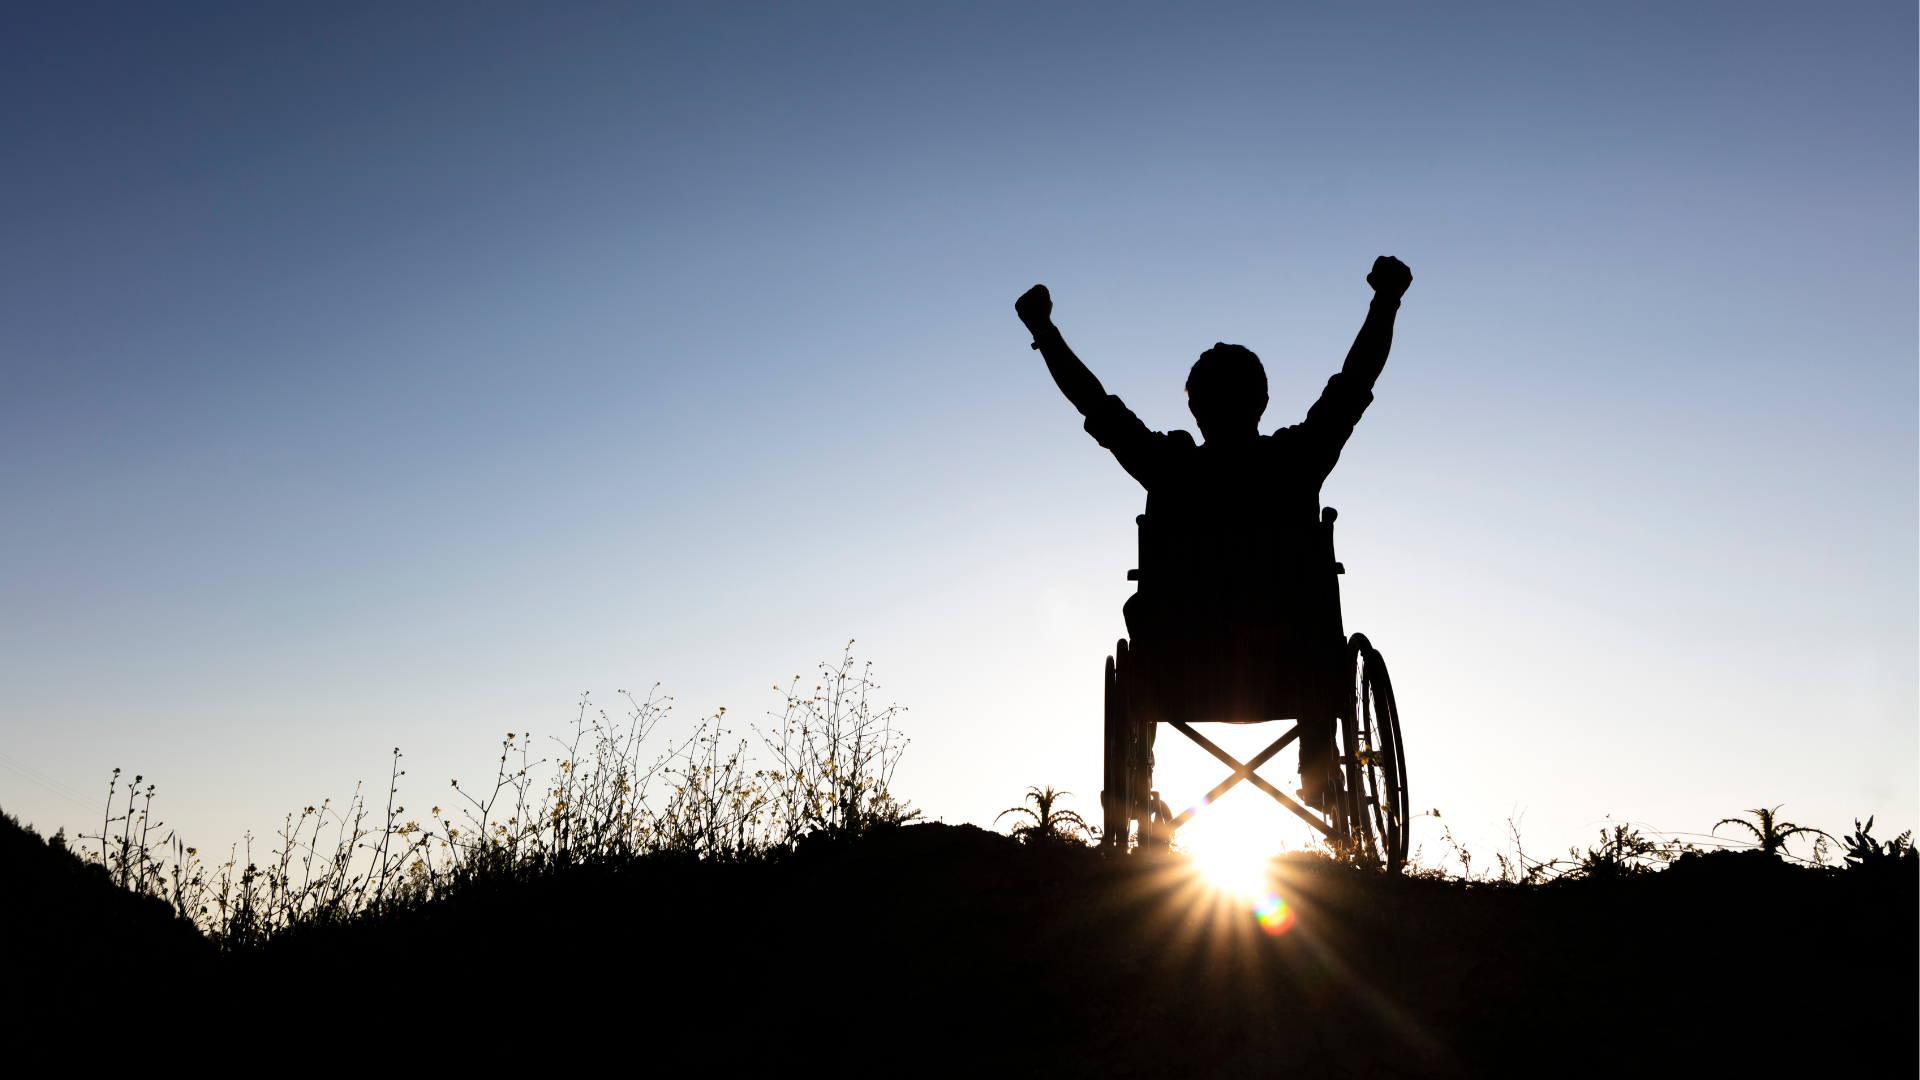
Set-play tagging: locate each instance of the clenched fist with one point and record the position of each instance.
(1389, 277)
(1035, 308)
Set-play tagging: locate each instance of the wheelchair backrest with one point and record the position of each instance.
(1152, 555)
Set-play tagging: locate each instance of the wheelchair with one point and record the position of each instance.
(1335, 681)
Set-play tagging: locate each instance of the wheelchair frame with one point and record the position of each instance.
(1367, 806)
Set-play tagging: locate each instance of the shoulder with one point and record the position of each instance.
(1117, 428)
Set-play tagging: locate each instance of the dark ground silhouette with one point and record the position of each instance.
(945, 949)
(67, 912)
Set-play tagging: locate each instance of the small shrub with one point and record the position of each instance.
(1770, 830)
(1045, 824)
(1623, 851)
(1866, 853)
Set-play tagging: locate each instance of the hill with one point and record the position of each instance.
(943, 948)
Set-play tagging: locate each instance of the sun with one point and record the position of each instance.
(1242, 872)
(1235, 855)
(1231, 851)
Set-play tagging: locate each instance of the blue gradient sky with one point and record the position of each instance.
(377, 378)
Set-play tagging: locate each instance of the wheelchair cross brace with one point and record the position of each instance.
(1246, 772)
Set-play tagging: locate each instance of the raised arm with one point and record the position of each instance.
(1035, 308)
(1389, 278)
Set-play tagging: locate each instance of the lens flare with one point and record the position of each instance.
(1275, 914)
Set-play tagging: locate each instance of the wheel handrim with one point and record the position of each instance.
(1377, 759)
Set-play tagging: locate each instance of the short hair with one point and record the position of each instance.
(1228, 371)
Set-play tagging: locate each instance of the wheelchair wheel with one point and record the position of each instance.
(1375, 760)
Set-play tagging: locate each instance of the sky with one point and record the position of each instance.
(390, 376)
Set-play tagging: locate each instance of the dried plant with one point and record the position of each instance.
(833, 756)
(602, 796)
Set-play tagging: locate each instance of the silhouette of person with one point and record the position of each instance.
(1236, 616)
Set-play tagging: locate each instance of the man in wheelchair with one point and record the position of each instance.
(1237, 614)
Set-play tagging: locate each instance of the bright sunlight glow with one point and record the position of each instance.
(1241, 871)
(1231, 849)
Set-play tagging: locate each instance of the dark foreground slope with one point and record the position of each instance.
(65, 920)
(935, 948)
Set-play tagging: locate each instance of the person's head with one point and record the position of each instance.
(1227, 391)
